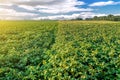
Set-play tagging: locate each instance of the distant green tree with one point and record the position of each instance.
(109, 17)
(95, 18)
(79, 18)
(88, 18)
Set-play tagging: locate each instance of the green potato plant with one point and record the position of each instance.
(59, 50)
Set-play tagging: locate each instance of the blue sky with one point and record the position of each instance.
(57, 9)
(108, 9)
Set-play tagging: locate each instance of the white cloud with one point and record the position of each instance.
(37, 9)
(104, 3)
(49, 6)
(49, 2)
(68, 17)
(53, 6)
(12, 14)
(116, 14)
(63, 10)
(27, 7)
(32, 8)
(6, 4)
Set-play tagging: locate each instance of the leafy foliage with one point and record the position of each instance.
(109, 17)
(59, 50)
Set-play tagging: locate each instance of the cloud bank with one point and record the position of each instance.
(69, 17)
(49, 9)
(104, 3)
(38, 8)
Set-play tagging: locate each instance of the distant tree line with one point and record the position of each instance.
(108, 18)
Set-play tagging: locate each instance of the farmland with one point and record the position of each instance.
(59, 50)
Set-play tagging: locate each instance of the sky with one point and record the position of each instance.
(56, 9)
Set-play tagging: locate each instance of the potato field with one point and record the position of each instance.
(59, 50)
